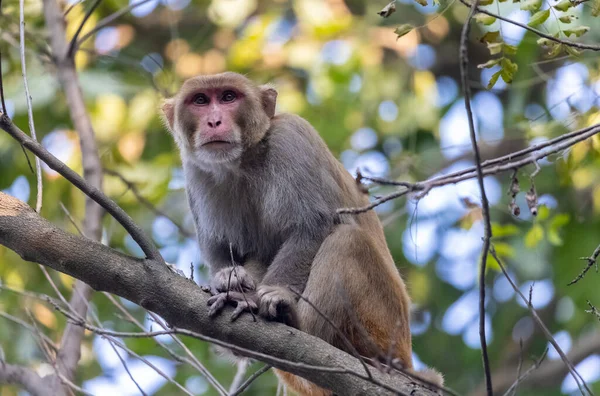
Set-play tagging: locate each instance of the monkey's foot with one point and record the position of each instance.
(232, 278)
(277, 303)
(243, 302)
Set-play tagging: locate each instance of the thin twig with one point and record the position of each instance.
(251, 379)
(144, 201)
(109, 19)
(87, 16)
(98, 196)
(593, 310)
(485, 206)
(193, 361)
(535, 31)
(38, 163)
(240, 373)
(592, 260)
(4, 111)
(500, 165)
(345, 339)
(234, 266)
(576, 376)
(522, 377)
(29, 327)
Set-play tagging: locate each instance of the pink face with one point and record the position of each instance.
(214, 111)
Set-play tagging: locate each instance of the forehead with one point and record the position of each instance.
(209, 82)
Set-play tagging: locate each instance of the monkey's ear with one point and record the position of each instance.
(269, 99)
(168, 113)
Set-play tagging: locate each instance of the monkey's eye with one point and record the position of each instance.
(228, 96)
(200, 99)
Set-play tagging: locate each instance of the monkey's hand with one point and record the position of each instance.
(277, 303)
(243, 301)
(232, 278)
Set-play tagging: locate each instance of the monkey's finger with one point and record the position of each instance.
(217, 305)
(272, 307)
(241, 308)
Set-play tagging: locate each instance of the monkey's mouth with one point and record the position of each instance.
(218, 144)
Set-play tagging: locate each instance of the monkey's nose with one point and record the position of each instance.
(214, 124)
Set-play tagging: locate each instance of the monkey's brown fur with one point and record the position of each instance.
(273, 202)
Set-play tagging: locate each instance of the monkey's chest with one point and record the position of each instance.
(241, 224)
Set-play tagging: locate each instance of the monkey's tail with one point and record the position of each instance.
(430, 375)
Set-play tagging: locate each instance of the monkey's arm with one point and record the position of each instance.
(289, 269)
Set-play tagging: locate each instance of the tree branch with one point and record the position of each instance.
(70, 347)
(535, 31)
(183, 304)
(485, 206)
(98, 196)
(491, 167)
(23, 376)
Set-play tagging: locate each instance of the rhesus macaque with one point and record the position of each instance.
(263, 190)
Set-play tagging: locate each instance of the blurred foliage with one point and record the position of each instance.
(384, 94)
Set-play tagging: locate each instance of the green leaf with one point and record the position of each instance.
(493, 79)
(546, 42)
(560, 220)
(403, 30)
(509, 49)
(491, 37)
(534, 236)
(554, 238)
(500, 231)
(578, 31)
(572, 51)
(531, 5)
(555, 50)
(422, 2)
(495, 48)
(543, 212)
(504, 250)
(485, 2)
(484, 19)
(509, 65)
(595, 8)
(564, 5)
(490, 63)
(539, 17)
(567, 18)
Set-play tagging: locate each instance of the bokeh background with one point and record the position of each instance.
(389, 106)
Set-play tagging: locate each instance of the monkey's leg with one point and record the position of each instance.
(357, 287)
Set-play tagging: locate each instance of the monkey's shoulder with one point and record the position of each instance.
(286, 124)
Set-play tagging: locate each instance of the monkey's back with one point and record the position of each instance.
(344, 191)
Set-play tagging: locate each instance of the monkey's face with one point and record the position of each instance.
(208, 121)
(215, 119)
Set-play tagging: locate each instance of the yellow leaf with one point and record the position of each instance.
(543, 212)
(534, 236)
(420, 286)
(499, 230)
(44, 315)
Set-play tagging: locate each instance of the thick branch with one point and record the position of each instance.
(24, 377)
(183, 304)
